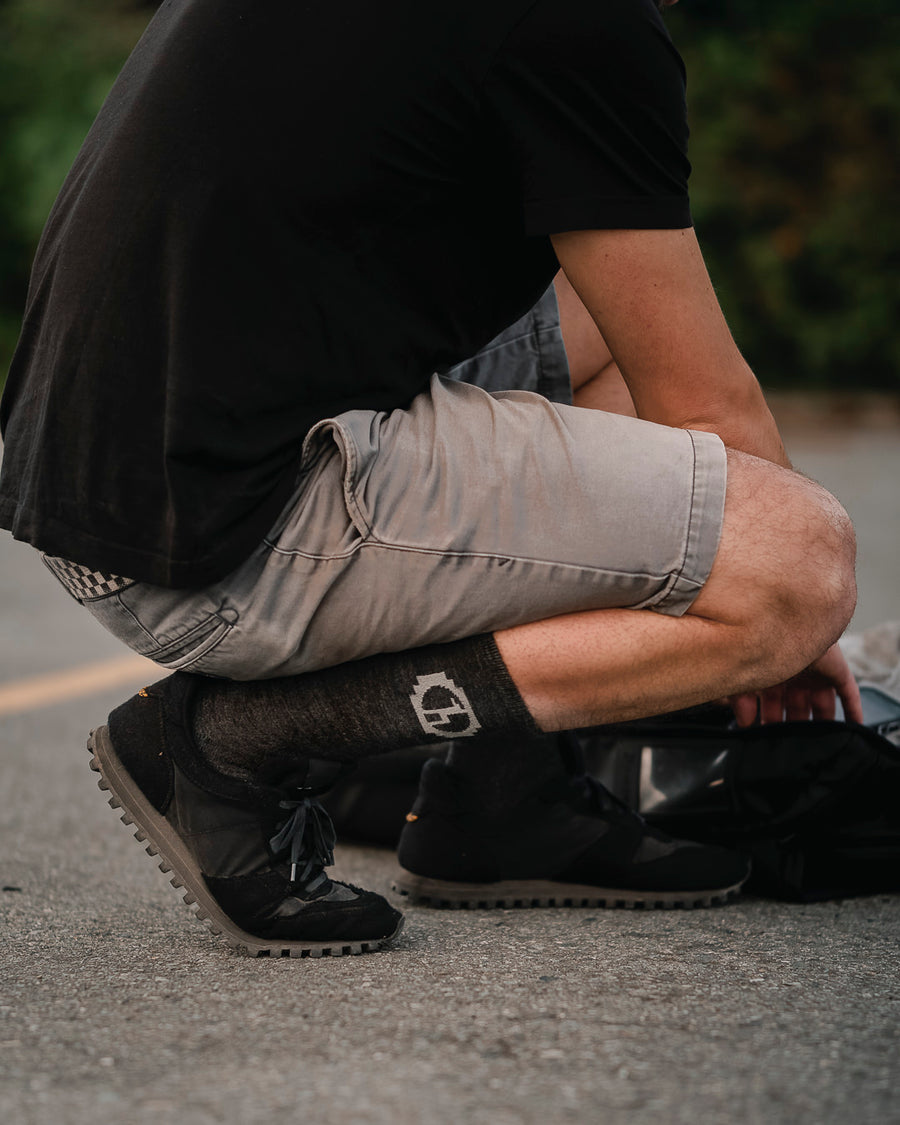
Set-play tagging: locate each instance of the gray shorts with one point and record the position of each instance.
(472, 510)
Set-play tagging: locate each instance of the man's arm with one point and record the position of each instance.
(651, 297)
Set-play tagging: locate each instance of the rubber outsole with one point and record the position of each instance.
(162, 842)
(525, 893)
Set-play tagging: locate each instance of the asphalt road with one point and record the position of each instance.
(117, 1006)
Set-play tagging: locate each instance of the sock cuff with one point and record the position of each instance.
(511, 698)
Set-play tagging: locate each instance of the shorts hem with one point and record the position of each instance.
(707, 509)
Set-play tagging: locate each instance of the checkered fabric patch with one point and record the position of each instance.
(84, 584)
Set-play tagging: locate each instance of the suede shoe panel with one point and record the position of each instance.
(137, 729)
(345, 913)
(355, 921)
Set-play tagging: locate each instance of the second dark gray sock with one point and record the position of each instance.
(508, 768)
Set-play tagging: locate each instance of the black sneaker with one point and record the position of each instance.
(249, 856)
(572, 844)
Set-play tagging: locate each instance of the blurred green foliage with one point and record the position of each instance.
(57, 62)
(795, 112)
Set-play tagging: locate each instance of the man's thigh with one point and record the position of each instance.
(465, 513)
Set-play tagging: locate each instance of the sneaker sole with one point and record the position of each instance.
(160, 840)
(524, 893)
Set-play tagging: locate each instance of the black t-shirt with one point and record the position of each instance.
(286, 210)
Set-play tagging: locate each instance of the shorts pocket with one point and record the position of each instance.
(174, 628)
(188, 651)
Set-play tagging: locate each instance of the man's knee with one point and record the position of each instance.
(784, 571)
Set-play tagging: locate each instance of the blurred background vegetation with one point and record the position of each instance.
(795, 113)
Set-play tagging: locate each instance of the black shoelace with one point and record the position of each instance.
(309, 835)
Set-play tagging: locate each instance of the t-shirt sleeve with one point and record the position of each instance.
(587, 98)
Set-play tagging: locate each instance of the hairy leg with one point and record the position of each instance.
(780, 593)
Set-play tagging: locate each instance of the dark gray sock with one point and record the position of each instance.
(460, 691)
(509, 768)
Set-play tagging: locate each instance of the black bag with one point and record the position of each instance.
(815, 805)
(370, 805)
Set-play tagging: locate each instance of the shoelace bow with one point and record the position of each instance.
(309, 834)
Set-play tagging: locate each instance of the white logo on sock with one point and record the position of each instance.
(443, 708)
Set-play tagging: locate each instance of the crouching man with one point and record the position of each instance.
(245, 428)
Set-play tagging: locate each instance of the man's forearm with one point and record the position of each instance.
(652, 300)
(744, 422)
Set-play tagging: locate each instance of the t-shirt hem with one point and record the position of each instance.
(55, 537)
(553, 216)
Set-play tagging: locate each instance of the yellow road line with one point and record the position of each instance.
(32, 692)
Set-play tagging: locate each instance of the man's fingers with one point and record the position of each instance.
(745, 709)
(822, 701)
(772, 705)
(849, 693)
(798, 701)
(802, 698)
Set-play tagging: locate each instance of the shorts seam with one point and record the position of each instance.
(374, 541)
(440, 552)
(554, 377)
(295, 552)
(542, 379)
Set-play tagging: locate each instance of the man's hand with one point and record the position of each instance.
(811, 694)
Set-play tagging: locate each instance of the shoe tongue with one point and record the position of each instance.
(288, 772)
(283, 772)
